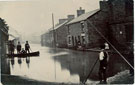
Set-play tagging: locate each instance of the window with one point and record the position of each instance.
(82, 26)
(69, 40)
(83, 39)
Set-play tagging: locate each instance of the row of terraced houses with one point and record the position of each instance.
(114, 20)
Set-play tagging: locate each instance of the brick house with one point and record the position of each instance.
(81, 32)
(114, 20)
(60, 34)
(3, 47)
(121, 23)
(45, 39)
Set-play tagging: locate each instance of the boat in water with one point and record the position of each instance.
(23, 55)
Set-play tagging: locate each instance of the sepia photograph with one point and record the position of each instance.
(66, 42)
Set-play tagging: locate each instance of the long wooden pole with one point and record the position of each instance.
(91, 71)
(54, 42)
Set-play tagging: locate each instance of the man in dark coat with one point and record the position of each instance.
(103, 58)
(27, 47)
(19, 47)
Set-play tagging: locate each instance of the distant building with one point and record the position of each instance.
(57, 37)
(3, 47)
(47, 39)
(60, 35)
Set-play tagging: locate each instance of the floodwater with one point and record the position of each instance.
(62, 65)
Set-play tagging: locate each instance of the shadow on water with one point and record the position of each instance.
(80, 63)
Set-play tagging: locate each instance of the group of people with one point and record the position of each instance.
(19, 48)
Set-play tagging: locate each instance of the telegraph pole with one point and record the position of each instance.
(54, 42)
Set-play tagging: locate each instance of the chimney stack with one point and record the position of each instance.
(62, 21)
(80, 11)
(104, 6)
(70, 17)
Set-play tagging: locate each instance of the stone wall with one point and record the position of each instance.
(75, 30)
(61, 36)
(121, 24)
(100, 22)
(92, 37)
(5, 69)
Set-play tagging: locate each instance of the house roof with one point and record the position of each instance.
(83, 16)
(59, 25)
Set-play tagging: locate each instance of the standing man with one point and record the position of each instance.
(27, 47)
(19, 47)
(103, 58)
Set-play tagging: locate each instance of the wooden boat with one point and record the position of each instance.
(24, 55)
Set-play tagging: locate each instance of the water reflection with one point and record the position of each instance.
(12, 62)
(19, 61)
(78, 63)
(28, 61)
(63, 65)
(81, 63)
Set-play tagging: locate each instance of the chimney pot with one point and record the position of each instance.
(70, 17)
(80, 11)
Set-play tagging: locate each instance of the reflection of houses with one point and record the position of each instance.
(81, 31)
(3, 47)
(80, 63)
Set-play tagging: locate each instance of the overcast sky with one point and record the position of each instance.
(35, 16)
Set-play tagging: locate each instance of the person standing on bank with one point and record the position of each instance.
(103, 59)
(19, 47)
(106, 46)
(27, 47)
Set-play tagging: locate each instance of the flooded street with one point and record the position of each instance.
(61, 65)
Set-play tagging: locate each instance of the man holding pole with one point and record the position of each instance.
(27, 47)
(103, 59)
